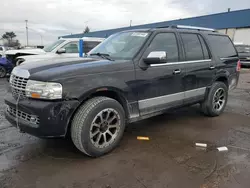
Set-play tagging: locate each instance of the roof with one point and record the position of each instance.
(233, 19)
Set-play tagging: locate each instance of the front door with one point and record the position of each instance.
(198, 65)
(159, 86)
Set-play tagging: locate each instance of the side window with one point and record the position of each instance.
(192, 46)
(222, 45)
(71, 47)
(1, 49)
(89, 45)
(204, 48)
(165, 42)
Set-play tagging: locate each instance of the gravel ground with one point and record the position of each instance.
(168, 159)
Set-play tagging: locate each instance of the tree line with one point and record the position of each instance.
(10, 38)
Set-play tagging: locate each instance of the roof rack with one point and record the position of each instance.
(189, 27)
(194, 27)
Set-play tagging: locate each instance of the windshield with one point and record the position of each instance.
(121, 45)
(52, 46)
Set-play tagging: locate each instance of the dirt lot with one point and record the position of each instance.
(168, 159)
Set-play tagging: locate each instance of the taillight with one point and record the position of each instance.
(238, 66)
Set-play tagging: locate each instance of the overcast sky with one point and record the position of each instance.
(52, 18)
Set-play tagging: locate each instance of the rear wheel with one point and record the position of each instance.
(98, 126)
(2, 72)
(216, 100)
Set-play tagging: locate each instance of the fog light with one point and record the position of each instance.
(33, 120)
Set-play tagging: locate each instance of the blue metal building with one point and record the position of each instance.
(227, 22)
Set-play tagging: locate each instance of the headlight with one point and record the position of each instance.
(43, 90)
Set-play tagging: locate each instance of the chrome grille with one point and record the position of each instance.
(22, 115)
(18, 85)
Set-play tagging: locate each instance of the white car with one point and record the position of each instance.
(2, 51)
(64, 47)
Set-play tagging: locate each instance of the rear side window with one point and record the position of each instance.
(89, 45)
(222, 45)
(192, 46)
(165, 42)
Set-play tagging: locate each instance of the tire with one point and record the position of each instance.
(82, 126)
(3, 72)
(214, 105)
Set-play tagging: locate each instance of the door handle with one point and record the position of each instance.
(178, 71)
(212, 67)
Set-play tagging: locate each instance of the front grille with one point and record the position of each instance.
(18, 85)
(22, 115)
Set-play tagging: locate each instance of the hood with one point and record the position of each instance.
(58, 69)
(39, 57)
(25, 51)
(62, 64)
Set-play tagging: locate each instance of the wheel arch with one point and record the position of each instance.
(110, 92)
(223, 78)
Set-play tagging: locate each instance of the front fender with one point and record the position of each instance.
(81, 87)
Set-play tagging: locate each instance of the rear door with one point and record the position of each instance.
(199, 66)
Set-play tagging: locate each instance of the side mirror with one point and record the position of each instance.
(61, 51)
(156, 57)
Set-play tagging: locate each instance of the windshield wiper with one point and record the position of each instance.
(102, 55)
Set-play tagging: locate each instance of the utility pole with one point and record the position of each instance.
(27, 35)
(130, 23)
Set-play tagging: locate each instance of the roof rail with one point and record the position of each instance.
(193, 27)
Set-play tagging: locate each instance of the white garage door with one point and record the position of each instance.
(242, 36)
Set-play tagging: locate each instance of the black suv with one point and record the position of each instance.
(130, 76)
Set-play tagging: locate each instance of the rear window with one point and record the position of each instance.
(222, 45)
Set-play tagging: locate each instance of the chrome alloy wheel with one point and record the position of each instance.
(219, 99)
(105, 128)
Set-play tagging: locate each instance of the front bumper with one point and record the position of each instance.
(40, 118)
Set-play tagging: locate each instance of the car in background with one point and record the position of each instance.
(2, 51)
(244, 54)
(5, 67)
(67, 47)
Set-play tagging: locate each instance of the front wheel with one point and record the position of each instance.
(98, 126)
(216, 100)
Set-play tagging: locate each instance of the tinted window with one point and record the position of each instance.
(204, 48)
(165, 42)
(89, 45)
(192, 47)
(222, 45)
(71, 48)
